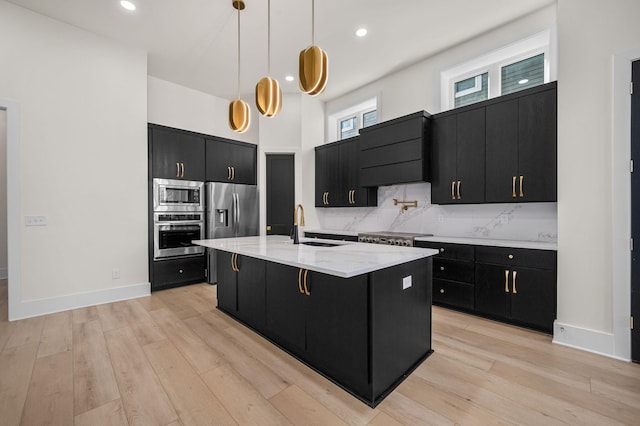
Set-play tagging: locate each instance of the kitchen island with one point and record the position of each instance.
(360, 314)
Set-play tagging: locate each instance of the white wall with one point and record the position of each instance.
(416, 88)
(3, 194)
(177, 106)
(586, 48)
(82, 163)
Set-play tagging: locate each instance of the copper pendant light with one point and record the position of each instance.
(268, 93)
(239, 113)
(313, 64)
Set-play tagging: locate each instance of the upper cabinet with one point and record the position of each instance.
(337, 179)
(396, 151)
(176, 154)
(458, 167)
(231, 161)
(521, 147)
(497, 151)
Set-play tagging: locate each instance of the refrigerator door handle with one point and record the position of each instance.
(238, 211)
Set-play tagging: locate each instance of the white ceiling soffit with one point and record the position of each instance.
(194, 42)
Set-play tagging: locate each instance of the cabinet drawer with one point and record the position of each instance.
(453, 270)
(450, 251)
(542, 259)
(174, 272)
(453, 293)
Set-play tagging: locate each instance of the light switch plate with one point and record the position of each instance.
(35, 221)
(406, 282)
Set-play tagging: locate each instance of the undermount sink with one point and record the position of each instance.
(319, 244)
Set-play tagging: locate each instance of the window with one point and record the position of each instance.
(518, 66)
(347, 122)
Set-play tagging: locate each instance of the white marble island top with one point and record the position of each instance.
(346, 259)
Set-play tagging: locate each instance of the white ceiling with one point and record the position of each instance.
(194, 42)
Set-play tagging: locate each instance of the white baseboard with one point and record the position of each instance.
(584, 339)
(4, 273)
(37, 307)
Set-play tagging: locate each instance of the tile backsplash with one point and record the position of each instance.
(518, 221)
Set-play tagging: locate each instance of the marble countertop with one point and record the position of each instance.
(346, 259)
(538, 245)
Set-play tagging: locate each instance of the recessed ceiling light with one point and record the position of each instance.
(128, 5)
(523, 81)
(289, 78)
(361, 32)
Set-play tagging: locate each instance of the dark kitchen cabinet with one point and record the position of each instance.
(453, 274)
(176, 154)
(241, 288)
(517, 285)
(231, 161)
(458, 151)
(395, 151)
(337, 179)
(176, 272)
(320, 317)
(521, 144)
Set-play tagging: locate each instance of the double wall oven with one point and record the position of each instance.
(178, 218)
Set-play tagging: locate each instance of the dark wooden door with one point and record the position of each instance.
(285, 307)
(243, 161)
(251, 291)
(470, 153)
(280, 193)
(533, 297)
(502, 152)
(349, 171)
(219, 159)
(227, 283)
(334, 178)
(493, 290)
(337, 326)
(443, 161)
(177, 155)
(322, 185)
(635, 213)
(537, 152)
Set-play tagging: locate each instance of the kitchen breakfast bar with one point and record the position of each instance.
(359, 314)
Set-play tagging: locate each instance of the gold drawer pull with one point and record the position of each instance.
(521, 181)
(506, 281)
(513, 187)
(441, 250)
(459, 195)
(453, 190)
(510, 256)
(300, 281)
(306, 289)
(442, 268)
(515, 275)
(442, 291)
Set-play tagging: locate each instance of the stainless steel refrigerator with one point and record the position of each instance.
(232, 211)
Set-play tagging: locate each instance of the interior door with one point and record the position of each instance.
(635, 213)
(280, 193)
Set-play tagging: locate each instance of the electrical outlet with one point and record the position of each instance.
(115, 273)
(35, 220)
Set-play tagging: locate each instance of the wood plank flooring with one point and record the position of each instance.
(173, 359)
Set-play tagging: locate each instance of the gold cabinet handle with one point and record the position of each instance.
(233, 173)
(327, 197)
(181, 271)
(442, 291)
(510, 257)
(233, 265)
(300, 281)
(228, 173)
(515, 275)
(177, 169)
(182, 174)
(441, 249)
(235, 261)
(453, 189)
(513, 187)
(459, 189)
(442, 268)
(306, 289)
(506, 281)
(521, 181)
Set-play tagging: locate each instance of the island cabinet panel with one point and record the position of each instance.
(458, 152)
(517, 285)
(176, 154)
(521, 139)
(396, 151)
(453, 274)
(241, 288)
(231, 161)
(337, 178)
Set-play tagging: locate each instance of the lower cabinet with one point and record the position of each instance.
(176, 272)
(241, 288)
(365, 333)
(520, 294)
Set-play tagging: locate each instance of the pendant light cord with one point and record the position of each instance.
(269, 37)
(313, 22)
(238, 52)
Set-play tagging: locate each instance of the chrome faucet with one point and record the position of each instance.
(295, 222)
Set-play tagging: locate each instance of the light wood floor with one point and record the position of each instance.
(172, 359)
